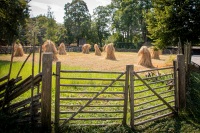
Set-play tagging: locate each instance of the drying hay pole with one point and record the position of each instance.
(18, 50)
(110, 50)
(61, 49)
(155, 53)
(49, 46)
(144, 57)
(97, 50)
(86, 48)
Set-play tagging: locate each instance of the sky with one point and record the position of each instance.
(38, 7)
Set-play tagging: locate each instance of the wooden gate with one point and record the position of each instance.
(92, 98)
(152, 95)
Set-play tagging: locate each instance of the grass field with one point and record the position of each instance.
(187, 121)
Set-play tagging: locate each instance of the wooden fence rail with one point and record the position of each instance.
(100, 98)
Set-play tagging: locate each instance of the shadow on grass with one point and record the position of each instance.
(97, 129)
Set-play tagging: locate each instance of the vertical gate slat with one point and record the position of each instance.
(46, 91)
(175, 86)
(131, 89)
(57, 95)
(126, 95)
(181, 81)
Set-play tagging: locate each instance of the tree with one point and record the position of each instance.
(51, 26)
(101, 19)
(13, 15)
(77, 20)
(128, 20)
(169, 20)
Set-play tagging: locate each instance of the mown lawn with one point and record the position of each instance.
(187, 121)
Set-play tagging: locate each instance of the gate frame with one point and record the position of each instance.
(179, 85)
(57, 96)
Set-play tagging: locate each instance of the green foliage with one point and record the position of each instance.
(13, 15)
(101, 19)
(169, 20)
(51, 26)
(77, 20)
(128, 20)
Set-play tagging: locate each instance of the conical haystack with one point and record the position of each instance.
(97, 50)
(18, 50)
(104, 47)
(86, 48)
(155, 53)
(144, 57)
(110, 50)
(49, 46)
(61, 49)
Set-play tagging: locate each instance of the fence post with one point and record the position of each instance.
(57, 96)
(126, 95)
(175, 86)
(46, 92)
(181, 81)
(131, 96)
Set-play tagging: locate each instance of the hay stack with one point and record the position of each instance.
(49, 46)
(61, 49)
(86, 48)
(97, 50)
(155, 53)
(104, 47)
(144, 57)
(18, 50)
(110, 50)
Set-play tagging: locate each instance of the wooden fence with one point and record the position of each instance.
(152, 95)
(97, 97)
(36, 108)
(81, 101)
(89, 100)
(27, 109)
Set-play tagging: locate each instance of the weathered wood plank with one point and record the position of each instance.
(153, 119)
(88, 92)
(79, 71)
(150, 113)
(181, 82)
(90, 85)
(57, 96)
(101, 118)
(91, 111)
(46, 91)
(79, 98)
(101, 79)
(23, 103)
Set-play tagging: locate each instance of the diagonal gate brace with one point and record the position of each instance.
(93, 98)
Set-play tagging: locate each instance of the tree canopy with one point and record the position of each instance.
(77, 20)
(122, 21)
(173, 19)
(13, 16)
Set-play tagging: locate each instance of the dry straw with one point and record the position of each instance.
(62, 49)
(110, 50)
(86, 48)
(155, 53)
(104, 47)
(49, 46)
(18, 50)
(97, 50)
(144, 57)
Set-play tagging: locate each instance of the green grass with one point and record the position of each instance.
(187, 121)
